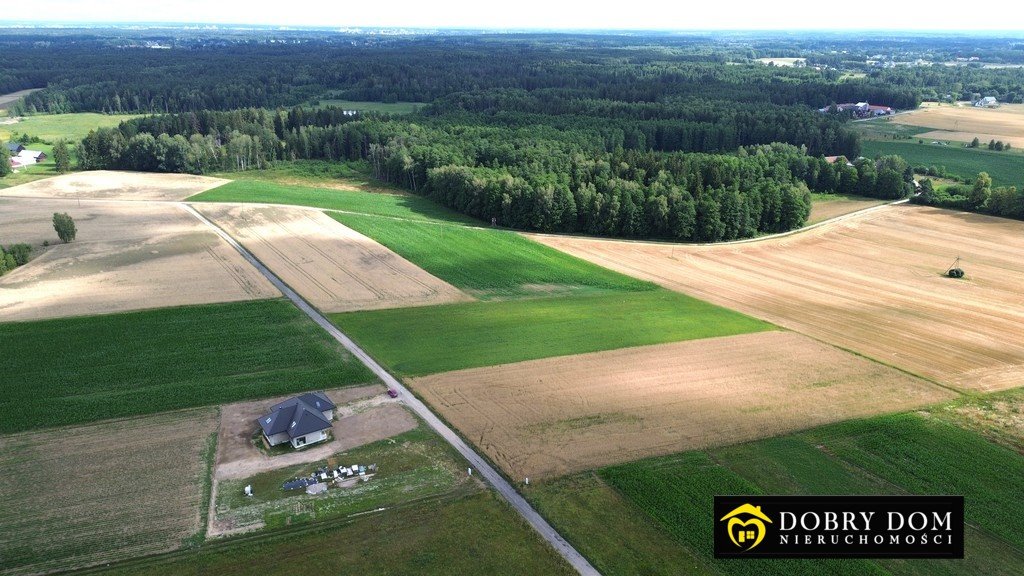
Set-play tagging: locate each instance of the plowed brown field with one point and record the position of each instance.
(550, 417)
(964, 122)
(127, 256)
(86, 495)
(108, 185)
(872, 283)
(334, 267)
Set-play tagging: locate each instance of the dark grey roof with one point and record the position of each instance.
(317, 400)
(15, 147)
(298, 416)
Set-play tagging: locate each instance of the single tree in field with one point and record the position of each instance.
(5, 160)
(61, 157)
(981, 191)
(975, 143)
(64, 226)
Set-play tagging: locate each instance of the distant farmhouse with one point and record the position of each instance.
(20, 156)
(860, 109)
(986, 102)
(300, 421)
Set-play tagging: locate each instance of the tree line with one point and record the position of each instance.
(980, 196)
(534, 177)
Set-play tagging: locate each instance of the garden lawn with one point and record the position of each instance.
(419, 341)
(81, 369)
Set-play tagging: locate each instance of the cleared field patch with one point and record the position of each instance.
(71, 127)
(109, 185)
(828, 206)
(417, 341)
(74, 370)
(873, 284)
(334, 267)
(364, 414)
(75, 497)
(127, 256)
(551, 417)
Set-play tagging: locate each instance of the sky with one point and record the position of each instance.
(540, 14)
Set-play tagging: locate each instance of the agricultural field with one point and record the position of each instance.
(963, 122)
(785, 62)
(87, 495)
(1005, 168)
(345, 195)
(127, 256)
(546, 418)
(99, 367)
(472, 534)
(873, 284)
(490, 264)
(998, 417)
(828, 206)
(896, 454)
(52, 127)
(330, 265)
(110, 185)
(419, 341)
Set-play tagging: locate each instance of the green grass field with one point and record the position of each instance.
(490, 264)
(71, 127)
(82, 369)
(389, 108)
(391, 205)
(427, 340)
(475, 534)
(898, 454)
(1005, 168)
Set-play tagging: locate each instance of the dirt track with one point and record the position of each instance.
(555, 416)
(872, 283)
(108, 185)
(332, 266)
(127, 256)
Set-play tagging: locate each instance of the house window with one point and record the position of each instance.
(300, 441)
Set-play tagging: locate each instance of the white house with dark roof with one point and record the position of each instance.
(301, 420)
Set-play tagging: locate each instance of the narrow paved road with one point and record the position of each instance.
(479, 465)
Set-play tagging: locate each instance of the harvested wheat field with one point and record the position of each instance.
(87, 495)
(829, 208)
(546, 418)
(109, 185)
(127, 256)
(872, 283)
(964, 122)
(334, 267)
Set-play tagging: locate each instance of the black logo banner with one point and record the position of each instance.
(839, 527)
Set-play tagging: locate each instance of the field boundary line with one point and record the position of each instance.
(489, 473)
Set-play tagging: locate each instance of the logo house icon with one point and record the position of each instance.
(749, 532)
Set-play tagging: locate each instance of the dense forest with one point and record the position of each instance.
(667, 136)
(532, 177)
